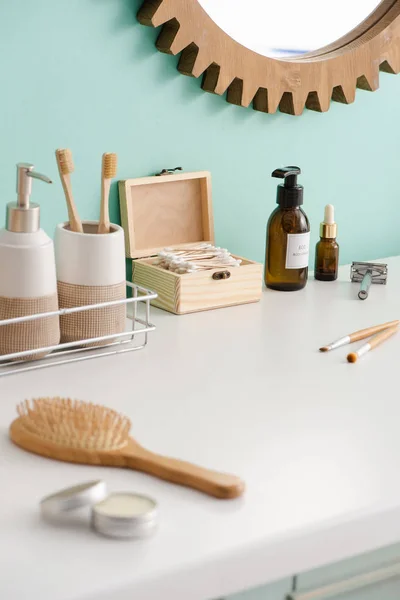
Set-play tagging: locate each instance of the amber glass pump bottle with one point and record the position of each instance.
(288, 236)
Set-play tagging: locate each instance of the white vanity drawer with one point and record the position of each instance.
(273, 591)
(373, 576)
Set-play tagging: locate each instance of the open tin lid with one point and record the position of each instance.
(84, 494)
(171, 210)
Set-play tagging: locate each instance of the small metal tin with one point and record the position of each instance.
(84, 494)
(137, 518)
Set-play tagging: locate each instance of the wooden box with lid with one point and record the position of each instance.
(175, 210)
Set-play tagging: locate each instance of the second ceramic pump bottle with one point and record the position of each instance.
(288, 236)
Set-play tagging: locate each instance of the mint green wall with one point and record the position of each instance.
(84, 74)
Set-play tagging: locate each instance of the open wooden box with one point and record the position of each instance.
(176, 210)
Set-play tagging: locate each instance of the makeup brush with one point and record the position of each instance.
(80, 432)
(108, 172)
(66, 167)
(375, 341)
(358, 335)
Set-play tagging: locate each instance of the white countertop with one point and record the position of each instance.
(243, 390)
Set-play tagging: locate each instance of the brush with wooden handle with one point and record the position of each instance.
(66, 167)
(79, 432)
(108, 172)
(375, 341)
(358, 335)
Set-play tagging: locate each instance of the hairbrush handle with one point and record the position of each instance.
(213, 483)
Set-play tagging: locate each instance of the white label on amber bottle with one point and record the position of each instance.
(298, 245)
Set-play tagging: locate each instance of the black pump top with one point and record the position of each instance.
(289, 194)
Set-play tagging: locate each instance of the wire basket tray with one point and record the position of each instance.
(61, 354)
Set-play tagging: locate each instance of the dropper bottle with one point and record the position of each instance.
(327, 249)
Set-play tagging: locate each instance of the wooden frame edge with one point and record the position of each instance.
(268, 84)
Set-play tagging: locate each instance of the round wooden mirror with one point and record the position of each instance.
(270, 57)
(302, 26)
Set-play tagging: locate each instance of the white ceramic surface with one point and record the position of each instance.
(27, 265)
(90, 258)
(243, 390)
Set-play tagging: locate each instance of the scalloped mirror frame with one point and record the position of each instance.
(310, 81)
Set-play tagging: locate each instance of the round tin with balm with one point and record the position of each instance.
(125, 515)
(118, 515)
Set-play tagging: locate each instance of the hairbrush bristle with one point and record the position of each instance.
(109, 165)
(74, 424)
(352, 357)
(324, 349)
(64, 160)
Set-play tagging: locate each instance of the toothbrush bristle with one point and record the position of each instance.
(109, 165)
(64, 160)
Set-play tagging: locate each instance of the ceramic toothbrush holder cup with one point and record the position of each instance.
(90, 269)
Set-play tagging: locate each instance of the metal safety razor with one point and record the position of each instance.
(368, 273)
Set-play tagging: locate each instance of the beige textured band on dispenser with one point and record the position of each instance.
(95, 322)
(30, 335)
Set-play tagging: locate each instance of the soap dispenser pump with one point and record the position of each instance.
(28, 283)
(288, 236)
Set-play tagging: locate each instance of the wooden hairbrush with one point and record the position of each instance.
(80, 432)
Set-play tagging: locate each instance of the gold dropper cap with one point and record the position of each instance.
(328, 228)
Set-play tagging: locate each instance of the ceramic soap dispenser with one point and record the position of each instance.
(28, 283)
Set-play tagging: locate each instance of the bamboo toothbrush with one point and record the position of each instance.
(108, 172)
(375, 341)
(66, 167)
(358, 335)
(79, 432)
